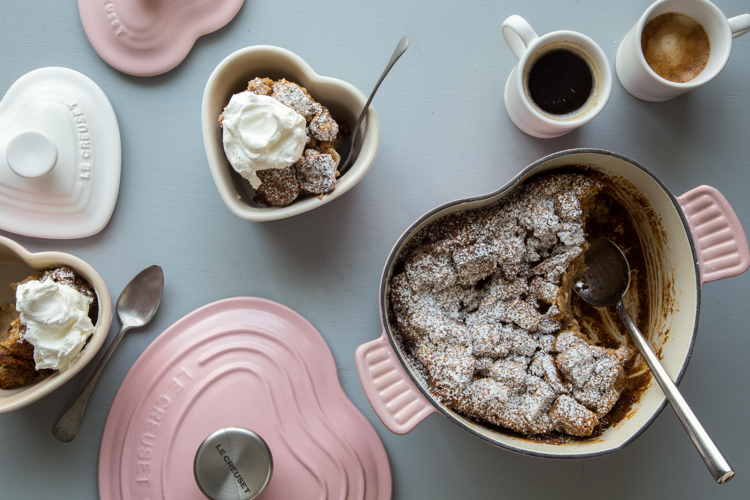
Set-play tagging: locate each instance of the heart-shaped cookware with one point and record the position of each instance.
(150, 37)
(690, 240)
(343, 99)
(17, 264)
(60, 156)
(240, 362)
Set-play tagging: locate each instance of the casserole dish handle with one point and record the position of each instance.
(720, 241)
(392, 394)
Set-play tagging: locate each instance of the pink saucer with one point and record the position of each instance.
(150, 37)
(243, 362)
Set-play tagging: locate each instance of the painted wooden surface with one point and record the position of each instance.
(445, 135)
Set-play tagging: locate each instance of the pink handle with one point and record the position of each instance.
(392, 394)
(720, 241)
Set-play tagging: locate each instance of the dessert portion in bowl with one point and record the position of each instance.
(46, 327)
(344, 102)
(282, 141)
(481, 304)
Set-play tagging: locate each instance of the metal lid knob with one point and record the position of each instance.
(31, 154)
(233, 464)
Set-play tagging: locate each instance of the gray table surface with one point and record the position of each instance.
(445, 135)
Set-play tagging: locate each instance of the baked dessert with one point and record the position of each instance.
(29, 343)
(283, 151)
(481, 302)
(16, 355)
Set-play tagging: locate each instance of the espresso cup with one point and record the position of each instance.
(637, 76)
(534, 98)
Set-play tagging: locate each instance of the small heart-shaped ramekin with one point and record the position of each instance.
(16, 264)
(343, 99)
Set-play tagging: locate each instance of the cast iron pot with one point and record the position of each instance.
(688, 240)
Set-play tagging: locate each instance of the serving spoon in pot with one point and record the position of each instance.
(603, 284)
(349, 149)
(136, 305)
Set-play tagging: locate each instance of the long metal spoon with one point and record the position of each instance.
(136, 306)
(603, 284)
(349, 149)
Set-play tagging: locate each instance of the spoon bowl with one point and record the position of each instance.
(607, 274)
(603, 284)
(140, 299)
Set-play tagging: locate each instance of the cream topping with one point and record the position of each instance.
(56, 320)
(261, 133)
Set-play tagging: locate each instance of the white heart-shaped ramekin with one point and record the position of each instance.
(16, 264)
(344, 101)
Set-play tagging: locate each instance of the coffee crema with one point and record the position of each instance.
(560, 80)
(675, 46)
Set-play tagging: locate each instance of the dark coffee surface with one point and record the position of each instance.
(560, 82)
(675, 46)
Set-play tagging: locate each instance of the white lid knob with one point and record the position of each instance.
(31, 154)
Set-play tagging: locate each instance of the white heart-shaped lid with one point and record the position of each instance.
(60, 156)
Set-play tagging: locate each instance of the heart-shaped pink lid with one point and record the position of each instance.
(60, 156)
(150, 37)
(241, 362)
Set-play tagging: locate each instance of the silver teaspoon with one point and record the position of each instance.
(350, 148)
(603, 284)
(136, 306)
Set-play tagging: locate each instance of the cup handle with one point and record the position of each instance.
(392, 394)
(739, 25)
(518, 34)
(720, 241)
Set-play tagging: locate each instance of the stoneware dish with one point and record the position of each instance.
(146, 38)
(61, 156)
(245, 362)
(17, 264)
(688, 241)
(231, 76)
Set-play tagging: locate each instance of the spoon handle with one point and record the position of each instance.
(67, 426)
(403, 44)
(715, 461)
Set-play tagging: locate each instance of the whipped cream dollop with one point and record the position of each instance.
(261, 133)
(56, 320)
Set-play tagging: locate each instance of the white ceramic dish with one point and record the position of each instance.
(58, 119)
(344, 101)
(16, 264)
(704, 242)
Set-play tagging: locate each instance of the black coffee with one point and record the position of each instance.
(560, 82)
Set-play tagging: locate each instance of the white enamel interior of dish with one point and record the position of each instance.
(16, 265)
(680, 323)
(343, 100)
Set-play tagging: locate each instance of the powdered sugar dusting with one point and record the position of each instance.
(479, 304)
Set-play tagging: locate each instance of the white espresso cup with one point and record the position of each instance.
(642, 82)
(528, 47)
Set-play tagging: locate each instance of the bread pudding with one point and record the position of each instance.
(481, 303)
(25, 351)
(282, 141)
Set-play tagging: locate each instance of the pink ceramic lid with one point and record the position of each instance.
(150, 37)
(241, 362)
